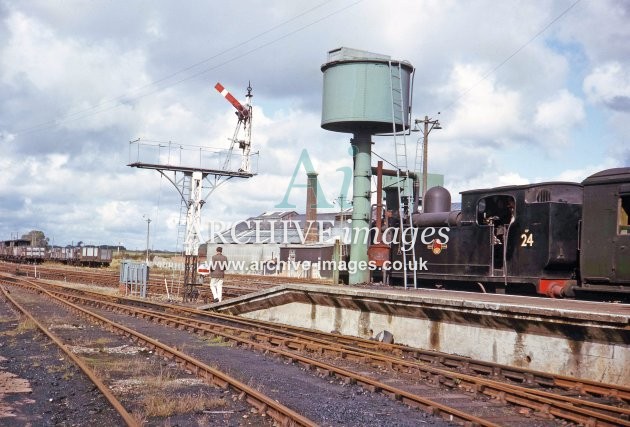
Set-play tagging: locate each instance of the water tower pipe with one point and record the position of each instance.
(379, 201)
(361, 205)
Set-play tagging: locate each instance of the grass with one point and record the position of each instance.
(217, 341)
(115, 264)
(156, 401)
(139, 418)
(160, 380)
(99, 343)
(166, 405)
(133, 367)
(156, 387)
(97, 288)
(65, 366)
(24, 325)
(102, 341)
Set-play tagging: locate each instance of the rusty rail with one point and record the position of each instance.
(261, 402)
(428, 405)
(569, 408)
(524, 375)
(126, 416)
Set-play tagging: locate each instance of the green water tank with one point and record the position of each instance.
(362, 92)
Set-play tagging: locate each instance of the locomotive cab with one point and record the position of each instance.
(497, 211)
(534, 232)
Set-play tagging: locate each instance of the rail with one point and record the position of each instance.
(573, 409)
(126, 416)
(261, 402)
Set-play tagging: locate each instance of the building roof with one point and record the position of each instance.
(280, 227)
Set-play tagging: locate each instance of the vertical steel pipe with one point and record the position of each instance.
(361, 205)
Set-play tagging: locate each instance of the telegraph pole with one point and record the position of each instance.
(425, 157)
(429, 125)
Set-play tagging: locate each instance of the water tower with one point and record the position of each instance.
(365, 94)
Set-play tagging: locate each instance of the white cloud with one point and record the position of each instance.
(58, 59)
(556, 117)
(578, 175)
(115, 215)
(485, 178)
(564, 110)
(73, 68)
(489, 112)
(154, 28)
(609, 84)
(600, 28)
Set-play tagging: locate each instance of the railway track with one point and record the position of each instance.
(234, 286)
(432, 367)
(115, 403)
(432, 407)
(260, 402)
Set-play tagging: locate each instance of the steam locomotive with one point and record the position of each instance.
(552, 238)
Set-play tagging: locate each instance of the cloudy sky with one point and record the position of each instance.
(526, 90)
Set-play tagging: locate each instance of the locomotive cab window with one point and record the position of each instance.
(497, 210)
(624, 214)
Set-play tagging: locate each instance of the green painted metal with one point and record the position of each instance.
(357, 94)
(361, 205)
(364, 94)
(434, 180)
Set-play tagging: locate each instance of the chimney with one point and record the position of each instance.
(312, 235)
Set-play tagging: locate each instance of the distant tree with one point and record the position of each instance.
(36, 237)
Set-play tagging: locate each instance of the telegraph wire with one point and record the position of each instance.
(384, 159)
(155, 82)
(224, 51)
(94, 109)
(516, 52)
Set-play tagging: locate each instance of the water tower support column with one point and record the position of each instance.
(364, 94)
(361, 204)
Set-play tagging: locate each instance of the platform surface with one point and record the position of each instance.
(571, 309)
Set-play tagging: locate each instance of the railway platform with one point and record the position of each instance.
(588, 340)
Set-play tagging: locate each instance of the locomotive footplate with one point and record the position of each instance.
(496, 283)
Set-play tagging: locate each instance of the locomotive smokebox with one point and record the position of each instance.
(437, 199)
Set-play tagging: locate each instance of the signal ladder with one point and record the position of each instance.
(183, 209)
(186, 183)
(402, 169)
